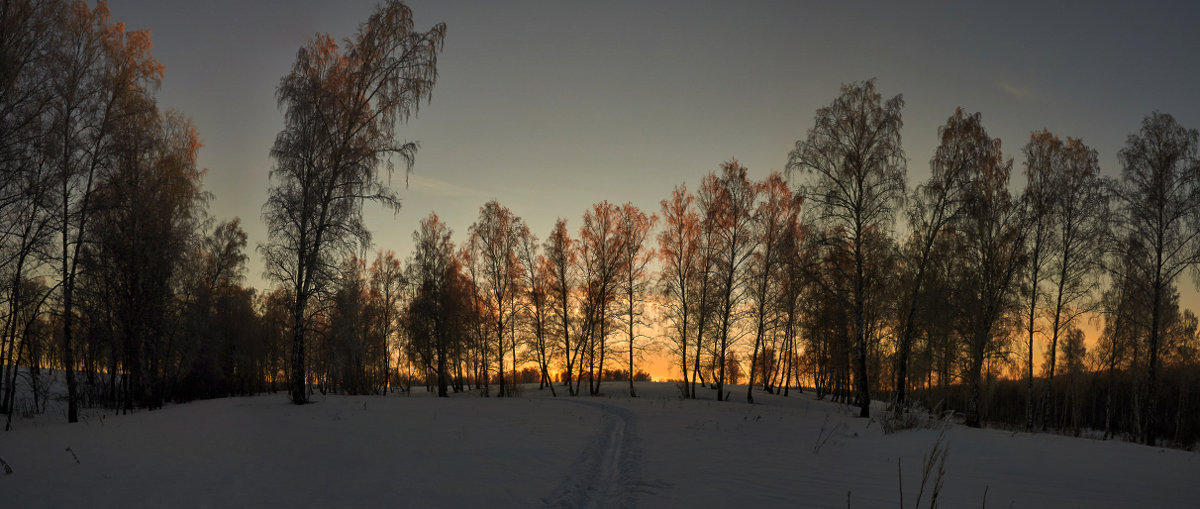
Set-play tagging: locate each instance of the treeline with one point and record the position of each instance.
(110, 264)
(978, 307)
(834, 275)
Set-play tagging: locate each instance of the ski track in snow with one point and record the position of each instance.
(607, 472)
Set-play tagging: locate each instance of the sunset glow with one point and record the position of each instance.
(617, 254)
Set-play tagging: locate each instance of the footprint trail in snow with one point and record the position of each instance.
(607, 472)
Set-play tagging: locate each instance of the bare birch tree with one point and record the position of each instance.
(777, 212)
(342, 106)
(435, 307)
(537, 287)
(495, 238)
(1156, 228)
(560, 255)
(599, 269)
(1080, 212)
(679, 251)
(1043, 160)
(932, 207)
(387, 287)
(857, 168)
(728, 202)
(992, 231)
(634, 229)
(99, 66)
(28, 33)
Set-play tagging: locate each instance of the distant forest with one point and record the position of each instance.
(837, 276)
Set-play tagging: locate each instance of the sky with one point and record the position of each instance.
(549, 107)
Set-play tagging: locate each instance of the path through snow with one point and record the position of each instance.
(607, 472)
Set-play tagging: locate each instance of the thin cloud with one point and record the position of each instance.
(438, 187)
(1018, 91)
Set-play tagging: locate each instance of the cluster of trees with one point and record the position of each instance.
(110, 265)
(505, 300)
(503, 309)
(985, 280)
(812, 285)
(833, 275)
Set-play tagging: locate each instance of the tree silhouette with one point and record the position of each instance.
(537, 286)
(28, 33)
(599, 259)
(857, 169)
(1157, 228)
(992, 231)
(633, 231)
(679, 252)
(560, 253)
(776, 213)
(728, 202)
(147, 208)
(495, 240)
(433, 319)
(387, 287)
(1080, 217)
(103, 74)
(342, 107)
(1043, 159)
(932, 207)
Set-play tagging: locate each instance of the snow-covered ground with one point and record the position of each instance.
(536, 451)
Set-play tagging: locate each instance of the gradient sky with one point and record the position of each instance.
(549, 107)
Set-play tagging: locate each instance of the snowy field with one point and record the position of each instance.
(536, 451)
